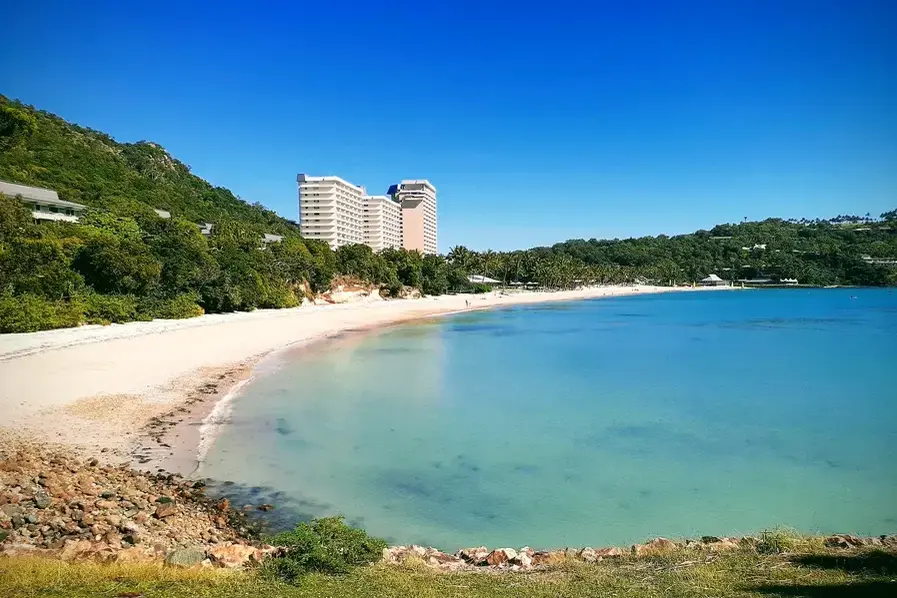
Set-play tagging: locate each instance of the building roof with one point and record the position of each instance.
(712, 278)
(37, 194)
(162, 213)
(482, 279)
(269, 238)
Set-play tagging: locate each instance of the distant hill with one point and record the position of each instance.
(89, 167)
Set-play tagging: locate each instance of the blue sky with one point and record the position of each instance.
(537, 122)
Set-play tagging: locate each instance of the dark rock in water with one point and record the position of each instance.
(185, 557)
(266, 507)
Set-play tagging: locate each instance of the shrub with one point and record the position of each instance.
(326, 546)
(175, 308)
(103, 309)
(28, 313)
(779, 540)
(478, 287)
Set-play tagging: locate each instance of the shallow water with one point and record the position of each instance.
(586, 423)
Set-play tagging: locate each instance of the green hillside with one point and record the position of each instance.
(123, 262)
(91, 168)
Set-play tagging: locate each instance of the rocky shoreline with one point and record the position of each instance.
(55, 505)
(58, 506)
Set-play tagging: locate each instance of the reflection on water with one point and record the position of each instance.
(599, 423)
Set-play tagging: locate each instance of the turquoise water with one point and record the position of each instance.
(586, 423)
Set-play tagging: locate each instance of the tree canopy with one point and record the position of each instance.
(122, 261)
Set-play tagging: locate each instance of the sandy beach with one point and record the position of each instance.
(139, 391)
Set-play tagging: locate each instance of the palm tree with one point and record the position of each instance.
(487, 257)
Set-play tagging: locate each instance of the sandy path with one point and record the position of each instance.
(98, 386)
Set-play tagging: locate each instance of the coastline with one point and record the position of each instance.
(153, 394)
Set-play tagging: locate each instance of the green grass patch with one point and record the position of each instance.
(681, 573)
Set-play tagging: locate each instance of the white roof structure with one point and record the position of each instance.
(712, 278)
(479, 278)
(269, 238)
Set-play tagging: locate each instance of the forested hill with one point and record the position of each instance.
(123, 262)
(89, 167)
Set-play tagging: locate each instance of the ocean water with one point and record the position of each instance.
(585, 423)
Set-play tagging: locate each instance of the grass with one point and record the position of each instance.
(815, 574)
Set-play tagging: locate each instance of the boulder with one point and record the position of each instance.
(588, 554)
(185, 557)
(548, 557)
(500, 556)
(723, 545)
(522, 560)
(655, 546)
(474, 556)
(612, 551)
(843, 541)
(234, 556)
(74, 549)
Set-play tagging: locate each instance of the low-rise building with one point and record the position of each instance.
(44, 203)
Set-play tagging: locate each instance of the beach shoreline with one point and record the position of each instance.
(147, 393)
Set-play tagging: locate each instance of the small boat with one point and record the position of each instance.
(830, 286)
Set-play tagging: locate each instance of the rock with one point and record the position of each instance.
(588, 554)
(709, 539)
(223, 505)
(20, 550)
(185, 557)
(105, 504)
(474, 556)
(74, 549)
(655, 546)
(11, 510)
(548, 557)
(610, 552)
(266, 507)
(31, 518)
(500, 556)
(523, 560)
(234, 556)
(107, 494)
(843, 541)
(166, 510)
(722, 545)
(136, 554)
(41, 500)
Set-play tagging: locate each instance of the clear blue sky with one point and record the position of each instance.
(537, 122)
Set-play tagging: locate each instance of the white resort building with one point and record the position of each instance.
(330, 210)
(382, 217)
(44, 203)
(334, 210)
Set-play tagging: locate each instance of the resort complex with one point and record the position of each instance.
(338, 212)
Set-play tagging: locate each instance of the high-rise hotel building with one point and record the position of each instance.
(418, 200)
(340, 213)
(330, 209)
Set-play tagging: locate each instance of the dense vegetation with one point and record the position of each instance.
(123, 262)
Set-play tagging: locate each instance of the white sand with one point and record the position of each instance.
(97, 386)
